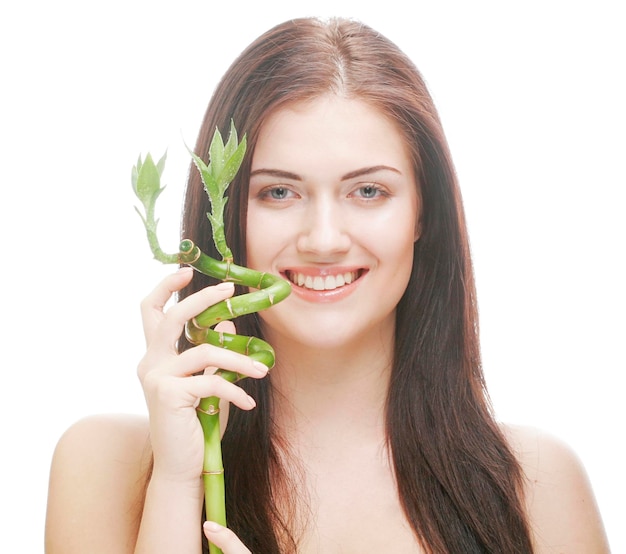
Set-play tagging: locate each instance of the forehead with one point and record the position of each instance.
(330, 127)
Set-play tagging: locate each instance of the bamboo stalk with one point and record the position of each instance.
(212, 467)
(225, 160)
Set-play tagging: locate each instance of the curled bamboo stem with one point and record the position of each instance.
(225, 160)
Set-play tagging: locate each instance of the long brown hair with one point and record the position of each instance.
(458, 480)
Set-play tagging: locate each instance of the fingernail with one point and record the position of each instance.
(260, 367)
(251, 401)
(212, 526)
(227, 285)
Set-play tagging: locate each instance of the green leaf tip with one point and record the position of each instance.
(146, 180)
(224, 163)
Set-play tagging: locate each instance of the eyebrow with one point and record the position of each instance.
(351, 175)
(368, 171)
(276, 173)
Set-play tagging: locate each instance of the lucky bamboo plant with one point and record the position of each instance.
(224, 162)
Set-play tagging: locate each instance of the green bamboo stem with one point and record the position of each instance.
(212, 467)
(225, 160)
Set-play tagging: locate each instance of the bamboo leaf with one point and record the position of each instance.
(145, 223)
(216, 153)
(161, 164)
(231, 145)
(232, 165)
(207, 178)
(133, 175)
(148, 182)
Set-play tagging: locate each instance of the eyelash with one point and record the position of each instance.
(378, 190)
(267, 194)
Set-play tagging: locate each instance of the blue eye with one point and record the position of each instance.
(278, 193)
(369, 191)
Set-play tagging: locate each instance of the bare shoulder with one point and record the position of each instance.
(561, 505)
(97, 484)
(108, 443)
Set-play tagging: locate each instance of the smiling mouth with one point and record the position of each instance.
(323, 282)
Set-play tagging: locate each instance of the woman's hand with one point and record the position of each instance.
(224, 538)
(174, 383)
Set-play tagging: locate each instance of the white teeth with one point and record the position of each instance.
(330, 282)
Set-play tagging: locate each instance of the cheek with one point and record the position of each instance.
(400, 261)
(263, 235)
(254, 249)
(395, 248)
(252, 240)
(394, 235)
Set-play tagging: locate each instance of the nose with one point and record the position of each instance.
(324, 230)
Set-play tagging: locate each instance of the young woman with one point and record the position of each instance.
(373, 433)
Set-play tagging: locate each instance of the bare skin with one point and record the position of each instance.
(327, 199)
(560, 501)
(102, 500)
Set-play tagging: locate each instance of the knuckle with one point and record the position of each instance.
(146, 374)
(157, 387)
(215, 381)
(144, 303)
(209, 354)
(143, 367)
(175, 314)
(204, 348)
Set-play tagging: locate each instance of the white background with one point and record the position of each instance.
(531, 95)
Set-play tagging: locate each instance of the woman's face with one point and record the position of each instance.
(334, 208)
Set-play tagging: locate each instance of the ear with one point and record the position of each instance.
(418, 228)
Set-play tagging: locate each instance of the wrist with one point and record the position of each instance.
(182, 485)
(171, 516)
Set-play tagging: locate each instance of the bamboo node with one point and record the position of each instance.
(211, 411)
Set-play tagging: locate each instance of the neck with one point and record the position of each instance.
(315, 388)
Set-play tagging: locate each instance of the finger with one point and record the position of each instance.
(203, 386)
(175, 318)
(226, 327)
(204, 358)
(153, 304)
(200, 357)
(224, 538)
(176, 393)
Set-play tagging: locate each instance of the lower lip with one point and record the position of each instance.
(324, 296)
